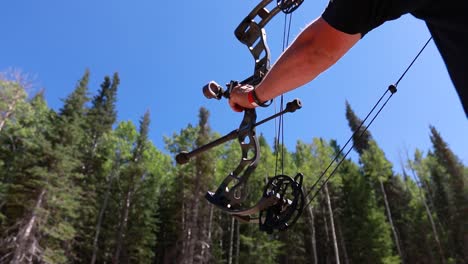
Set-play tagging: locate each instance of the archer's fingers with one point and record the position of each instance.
(235, 107)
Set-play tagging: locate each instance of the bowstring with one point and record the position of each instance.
(392, 89)
(279, 132)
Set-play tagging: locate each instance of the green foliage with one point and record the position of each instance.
(12, 96)
(366, 231)
(450, 196)
(361, 136)
(375, 166)
(265, 249)
(89, 190)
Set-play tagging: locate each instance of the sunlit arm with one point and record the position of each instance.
(316, 48)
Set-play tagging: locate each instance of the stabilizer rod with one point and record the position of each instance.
(184, 156)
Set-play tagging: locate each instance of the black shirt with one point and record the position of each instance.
(447, 21)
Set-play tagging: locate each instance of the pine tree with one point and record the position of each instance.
(24, 153)
(12, 101)
(102, 114)
(324, 156)
(74, 105)
(122, 142)
(130, 178)
(361, 136)
(376, 167)
(98, 125)
(196, 215)
(143, 217)
(171, 233)
(42, 203)
(303, 158)
(197, 176)
(366, 232)
(425, 244)
(73, 189)
(109, 172)
(457, 203)
(70, 137)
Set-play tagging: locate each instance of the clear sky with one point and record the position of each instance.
(165, 51)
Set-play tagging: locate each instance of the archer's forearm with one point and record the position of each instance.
(316, 48)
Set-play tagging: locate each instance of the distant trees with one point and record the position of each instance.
(65, 174)
(13, 88)
(449, 183)
(76, 186)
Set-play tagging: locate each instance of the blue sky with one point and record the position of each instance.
(165, 51)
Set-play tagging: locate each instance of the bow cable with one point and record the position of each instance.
(392, 89)
(280, 126)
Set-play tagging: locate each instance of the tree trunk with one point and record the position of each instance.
(390, 220)
(5, 116)
(123, 225)
(327, 232)
(430, 199)
(310, 219)
(9, 111)
(237, 242)
(189, 241)
(192, 227)
(184, 235)
(193, 234)
(26, 247)
(429, 215)
(231, 241)
(209, 243)
(332, 225)
(342, 242)
(101, 213)
(98, 226)
(434, 230)
(204, 231)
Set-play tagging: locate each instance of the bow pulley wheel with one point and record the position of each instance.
(290, 202)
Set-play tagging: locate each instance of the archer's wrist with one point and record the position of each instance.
(253, 99)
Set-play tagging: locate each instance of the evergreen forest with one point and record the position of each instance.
(79, 186)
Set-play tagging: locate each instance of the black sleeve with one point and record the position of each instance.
(361, 16)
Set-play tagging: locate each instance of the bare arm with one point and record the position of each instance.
(316, 48)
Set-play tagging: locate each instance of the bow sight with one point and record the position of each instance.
(282, 200)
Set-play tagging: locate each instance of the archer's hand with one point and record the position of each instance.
(239, 98)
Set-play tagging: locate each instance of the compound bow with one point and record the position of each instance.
(283, 200)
